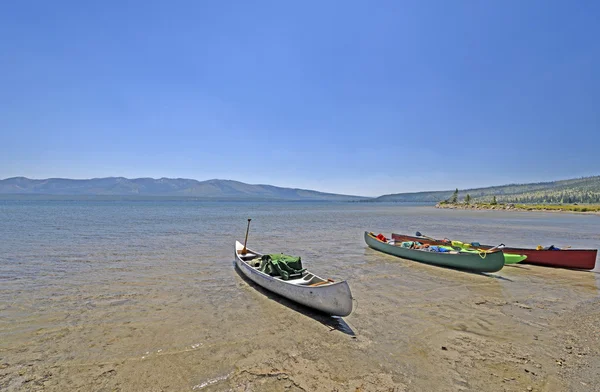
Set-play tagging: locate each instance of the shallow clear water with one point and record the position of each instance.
(103, 283)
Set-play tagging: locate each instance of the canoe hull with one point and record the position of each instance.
(565, 258)
(332, 298)
(491, 262)
(513, 258)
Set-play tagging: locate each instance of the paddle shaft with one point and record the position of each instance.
(244, 251)
(446, 240)
(429, 238)
(495, 247)
(486, 250)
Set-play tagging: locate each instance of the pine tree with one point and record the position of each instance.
(494, 202)
(454, 198)
(468, 199)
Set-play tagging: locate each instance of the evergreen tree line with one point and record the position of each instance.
(575, 190)
(547, 197)
(554, 197)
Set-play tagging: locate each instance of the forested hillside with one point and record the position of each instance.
(174, 187)
(578, 190)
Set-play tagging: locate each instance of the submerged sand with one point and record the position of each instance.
(145, 297)
(414, 328)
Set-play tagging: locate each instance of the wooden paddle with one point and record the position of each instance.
(446, 240)
(418, 234)
(494, 248)
(244, 251)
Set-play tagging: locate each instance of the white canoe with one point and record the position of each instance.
(310, 290)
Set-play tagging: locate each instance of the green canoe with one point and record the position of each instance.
(474, 262)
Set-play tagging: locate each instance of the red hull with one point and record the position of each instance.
(566, 258)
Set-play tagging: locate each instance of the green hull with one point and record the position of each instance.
(509, 258)
(473, 262)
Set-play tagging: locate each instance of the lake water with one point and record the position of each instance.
(143, 295)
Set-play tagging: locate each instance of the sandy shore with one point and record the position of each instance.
(458, 332)
(581, 338)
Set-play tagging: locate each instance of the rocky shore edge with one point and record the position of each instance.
(474, 206)
(506, 207)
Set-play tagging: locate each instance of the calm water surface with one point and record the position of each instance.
(110, 283)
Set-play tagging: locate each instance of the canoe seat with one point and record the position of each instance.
(322, 283)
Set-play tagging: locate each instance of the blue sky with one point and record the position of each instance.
(351, 97)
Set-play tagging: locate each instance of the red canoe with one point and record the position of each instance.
(566, 258)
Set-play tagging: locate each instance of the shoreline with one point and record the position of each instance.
(510, 207)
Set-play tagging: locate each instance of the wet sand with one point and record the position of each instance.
(176, 317)
(458, 331)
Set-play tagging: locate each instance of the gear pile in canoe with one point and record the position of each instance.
(285, 275)
(551, 256)
(298, 285)
(477, 261)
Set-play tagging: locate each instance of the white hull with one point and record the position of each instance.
(332, 298)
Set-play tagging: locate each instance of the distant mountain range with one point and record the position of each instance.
(171, 187)
(577, 190)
